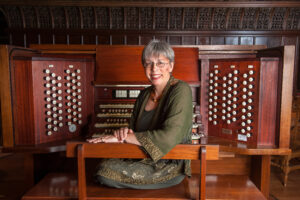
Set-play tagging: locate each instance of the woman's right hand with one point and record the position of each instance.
(122, 133)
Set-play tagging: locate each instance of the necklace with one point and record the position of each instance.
(155, 100)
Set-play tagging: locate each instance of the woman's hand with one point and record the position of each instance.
(126, 135)
(104, 139)
(122, 133)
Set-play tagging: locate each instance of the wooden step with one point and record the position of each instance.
(64, 186)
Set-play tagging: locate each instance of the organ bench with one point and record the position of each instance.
(200, 186)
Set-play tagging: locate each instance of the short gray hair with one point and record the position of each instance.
(155, 48)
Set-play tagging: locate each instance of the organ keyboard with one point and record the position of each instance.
(111, 116)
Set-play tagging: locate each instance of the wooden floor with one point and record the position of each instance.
(12, 181)
(290, 192)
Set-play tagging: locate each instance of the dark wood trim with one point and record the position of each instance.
(23, 17)
(155, 3)
(164, 32)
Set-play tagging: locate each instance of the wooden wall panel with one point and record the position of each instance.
(189, 40)
(103, 39)
(246, 40)
(145, 39)
(118, 39)
(268, 23)
(217, 41)
(74, 39)
(274, 41)
(203, 40)
(46, 38)
(159, 37)
(239, 165)
(175, 40)
(261, 40)
(32, 38)
(132, 40)
(232, 40)
(89, 39)
(60, 39)
(123, 60)
(17, 38)
(289, 40)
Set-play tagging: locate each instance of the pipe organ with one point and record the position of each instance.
(59, 96)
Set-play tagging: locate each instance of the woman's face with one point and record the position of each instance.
(158, 69)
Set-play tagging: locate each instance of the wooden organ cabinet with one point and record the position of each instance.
(50, 97)
(120, 78)
(241, 94)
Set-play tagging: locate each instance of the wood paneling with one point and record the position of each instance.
(89, 39)
(103, 39)
(232, 40)
(18, 39)
(248, 40)
(74, 39)
(46, 38)
(125, 65)
(189, 40)
(268, 95)
(5, 91)
(132, 40)
(261, 40)
(237, 165)
(60, 39)
(175, 40)
(32, 38)
(217, 40)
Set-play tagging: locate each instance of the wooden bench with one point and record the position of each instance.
(191, 152)
(71, 186)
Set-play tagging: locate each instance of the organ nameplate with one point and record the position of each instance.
(226, 131)
(242, 137)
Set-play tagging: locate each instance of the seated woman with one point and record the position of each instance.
(161, 119)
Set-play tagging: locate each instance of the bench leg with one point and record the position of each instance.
(260, 173)
(202, 183)
(81, 173)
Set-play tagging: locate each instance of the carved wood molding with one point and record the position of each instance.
(153, 18)
(157, 3)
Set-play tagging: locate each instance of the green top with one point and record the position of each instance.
(170, 125)
(145, 121)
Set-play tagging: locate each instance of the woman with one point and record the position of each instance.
(161, 119)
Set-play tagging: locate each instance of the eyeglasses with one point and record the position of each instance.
(158, 64)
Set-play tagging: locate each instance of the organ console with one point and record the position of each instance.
(117, 86)
(58, 96)
(241, 95)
